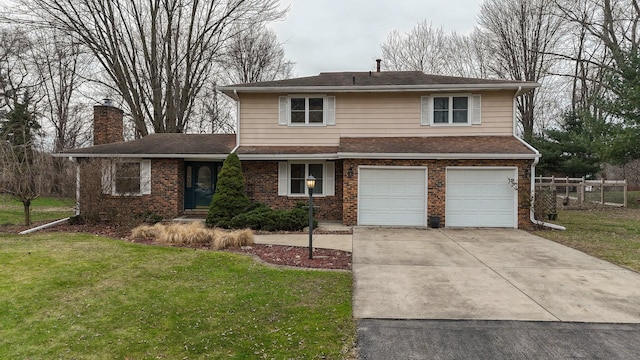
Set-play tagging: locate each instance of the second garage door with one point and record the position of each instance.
(392, 196)
(481, 198)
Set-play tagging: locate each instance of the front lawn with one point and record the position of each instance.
(84, 296)
(42, 209)
(612, 234)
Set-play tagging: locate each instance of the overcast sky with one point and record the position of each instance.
(345, 35)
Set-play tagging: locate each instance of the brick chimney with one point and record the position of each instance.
(378, 61)
(107, 123)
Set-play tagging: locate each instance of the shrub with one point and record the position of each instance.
(265, 218)
(230, 198)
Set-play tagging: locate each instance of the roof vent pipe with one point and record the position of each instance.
(378, 61)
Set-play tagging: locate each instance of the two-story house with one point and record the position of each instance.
(386, 148)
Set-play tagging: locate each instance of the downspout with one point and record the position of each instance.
(235, 92)
(72, 159)
(536, 160)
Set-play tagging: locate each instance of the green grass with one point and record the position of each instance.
(612, 234)
(42, 209)
(82, 296)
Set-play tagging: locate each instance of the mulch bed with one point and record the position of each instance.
(273, 254)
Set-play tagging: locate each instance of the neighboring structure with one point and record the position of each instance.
(387, 148)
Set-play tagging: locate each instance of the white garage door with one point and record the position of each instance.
(480, 198)
(392, 196)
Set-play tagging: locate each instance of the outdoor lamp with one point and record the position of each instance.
(311, 183)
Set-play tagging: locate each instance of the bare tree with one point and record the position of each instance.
(423, 48)
(157, 54)
(61, 67)
(522, 33)
(469, 55)
(254, 55)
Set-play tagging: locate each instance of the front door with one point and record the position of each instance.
(200, 183)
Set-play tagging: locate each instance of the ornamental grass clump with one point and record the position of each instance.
(194, 234)
(233, 239)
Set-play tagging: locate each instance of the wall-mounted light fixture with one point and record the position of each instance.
(350, 172)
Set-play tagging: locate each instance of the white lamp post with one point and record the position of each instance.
(311, 183)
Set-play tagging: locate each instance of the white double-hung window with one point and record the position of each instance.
(307, 110)
(292, 178)
(455, 109)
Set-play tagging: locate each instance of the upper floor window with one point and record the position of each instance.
(451, 110)
(463, 109)
(307, 110)
(310, 110)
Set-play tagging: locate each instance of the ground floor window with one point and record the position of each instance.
(292, 178)
(126, 177)
(298, 175)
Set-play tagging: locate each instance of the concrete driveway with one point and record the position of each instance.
(483, 274)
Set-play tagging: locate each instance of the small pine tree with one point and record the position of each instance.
(230, 198)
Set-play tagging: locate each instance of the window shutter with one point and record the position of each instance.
(476, 109)
(107, 185)
(329, 178)
(283, 178)
(145, 177)
(426, 106)
(284, 111)
(330, 110)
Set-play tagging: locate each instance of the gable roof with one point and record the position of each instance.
(208, 146)
(378, 81)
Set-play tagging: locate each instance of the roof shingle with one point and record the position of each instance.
(364, 79)
(164, 144)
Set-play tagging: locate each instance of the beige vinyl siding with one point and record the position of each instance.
(371, 114)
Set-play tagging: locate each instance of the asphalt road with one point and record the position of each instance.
(477, 339)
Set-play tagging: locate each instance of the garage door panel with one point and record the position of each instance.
(392, 196)
(480, 198)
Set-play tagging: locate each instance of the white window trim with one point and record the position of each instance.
(109, 168)
(328, 110)
(474, 111)
(306, 109)
(328, 178)
(451, 96)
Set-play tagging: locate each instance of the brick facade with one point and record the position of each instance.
(436, 172)
(261, 179)
(166, 198)
(107, 125)
(261, 183)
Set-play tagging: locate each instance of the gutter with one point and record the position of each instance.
(433, 156)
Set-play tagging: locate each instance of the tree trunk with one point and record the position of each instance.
(27, 212)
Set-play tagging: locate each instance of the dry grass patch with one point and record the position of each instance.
(194, 234)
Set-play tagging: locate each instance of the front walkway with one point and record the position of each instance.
(485, 274)
(322, 241)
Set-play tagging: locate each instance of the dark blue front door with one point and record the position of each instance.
(200, 183)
